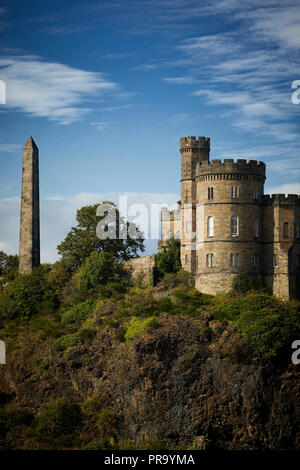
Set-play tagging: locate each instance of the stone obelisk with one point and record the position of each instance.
(29, 249)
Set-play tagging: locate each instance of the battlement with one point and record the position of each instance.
(229, 166)
(290, 199)
(192, 142)
(167, 215)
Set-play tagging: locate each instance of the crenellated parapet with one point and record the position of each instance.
(229, 169)
(191, 143)
(281, 200)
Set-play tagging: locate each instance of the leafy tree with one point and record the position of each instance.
(98, 269)
(3, 258)
(168, 260)
(10, 268)
(82, 240)
(24, 294)
(59, 418)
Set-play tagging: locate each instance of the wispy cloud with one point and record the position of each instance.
(10, 147)
(51, 90)
(188, 80)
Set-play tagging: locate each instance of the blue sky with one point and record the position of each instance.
(107, 89)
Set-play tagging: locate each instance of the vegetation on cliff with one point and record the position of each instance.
(98, 362)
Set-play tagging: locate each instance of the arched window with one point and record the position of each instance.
(234, 226)
(210, 260)
(285, 229)
(234, 259)
(210, 227)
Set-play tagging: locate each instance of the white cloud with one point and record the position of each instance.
(182, 80)
(10, 147)
(51, 90)
(289, 188)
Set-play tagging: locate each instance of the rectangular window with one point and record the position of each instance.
(231, 259)
(236, 259)
(207, 260)
(212, 257)
(234, 226)
(186, 259)
(285, 229)
(255, 261)
(234, 192)
(275, 261)
(210, 193)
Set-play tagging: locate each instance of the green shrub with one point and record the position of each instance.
(106, 423)
(168, 260)
(23, 296)
(67, 341)
(59, 418)
(137, 326)
(268, 329)
(241, 283)
(120, 335)
(99, 268)
(78, 313)
(86, 334)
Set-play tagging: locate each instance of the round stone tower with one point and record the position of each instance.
(228, 197)
(193, 151)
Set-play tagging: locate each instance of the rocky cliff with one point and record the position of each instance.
(187, 376)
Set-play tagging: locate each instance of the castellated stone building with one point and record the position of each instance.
(227, 225)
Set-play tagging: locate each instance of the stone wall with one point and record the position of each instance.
(141, 269)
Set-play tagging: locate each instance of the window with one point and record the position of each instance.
(255, 261)
(234, 192)
(186, 259)
(178, 235)
(255, 195)
(285, 229)
(256, 228)
(210, 260)
(234, 259)
(237, 256)
(234, 226)
(275, 261)
(298, 231)
(186, 196)
(210, 227)
(210, 193)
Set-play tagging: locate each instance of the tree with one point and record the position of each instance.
(10, 268)
(3, 258)
(22, 297)
(168, 260)
(98, 269)
(82, 240)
